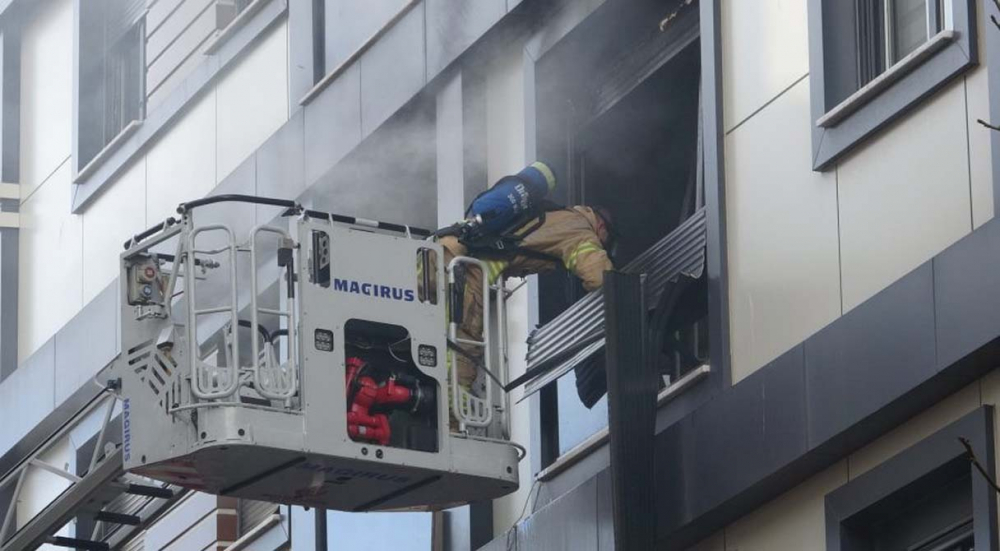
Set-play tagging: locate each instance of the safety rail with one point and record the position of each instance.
(276, 381)
(212, 382)
(469, 409)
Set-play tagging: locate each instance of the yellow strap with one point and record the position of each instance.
(584, 247)
(495, 268)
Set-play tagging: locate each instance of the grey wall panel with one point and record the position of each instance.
(389, 177)
(888, 342)
(86, 344)
(240, 217)
(453, 25)
(350, 23)
(281, 164)
(393, 70)
(333, 124)
(457, 529)
(27, 396)
(966, 279)
(605, 520)
(301, 73)
(507, 542)
(568, 523)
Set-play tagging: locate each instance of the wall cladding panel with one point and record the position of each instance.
(904, 196)
(46, 93)
(393, 70)
(112, 218)
(453, 25)
(50, 263)
(765, 50)
(782, 223)
(251, 87)
(350, 23)
(181, 166)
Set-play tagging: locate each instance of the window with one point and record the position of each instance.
(112, 73)
(619, 124)
(927, 498)
(890, 30)
(871, 60)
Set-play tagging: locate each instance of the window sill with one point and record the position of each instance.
(895, 73)
(255, 532)
(223, 36)
(599, 438)
(107, 151)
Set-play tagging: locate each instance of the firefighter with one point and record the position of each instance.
(575, 238)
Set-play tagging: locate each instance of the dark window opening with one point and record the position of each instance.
(933, 513)
(112, 73)
(618, 104)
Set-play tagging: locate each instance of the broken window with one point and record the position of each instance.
(618, 104)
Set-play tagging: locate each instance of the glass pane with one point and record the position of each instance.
(576, 422)
(909, 26)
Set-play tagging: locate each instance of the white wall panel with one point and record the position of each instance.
(181, 166)
(252, 100)
(980, 157)
(40, 487)
(765, 49)
(30, 392)
(796, 520)
(50, 287)
(904, 196)
(784, 280)
(115, 216)
(46, 92)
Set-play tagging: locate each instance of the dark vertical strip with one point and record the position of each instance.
(10, 152)
(321, 530)
(480, 523)
(715, 191)
(870, 38)
(989, 9)
(984, 498)
(632, 387)
(319, 39)
(549, 418)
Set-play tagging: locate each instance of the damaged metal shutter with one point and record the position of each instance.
(577, 333)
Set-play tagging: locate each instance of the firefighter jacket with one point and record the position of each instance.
(568, 237)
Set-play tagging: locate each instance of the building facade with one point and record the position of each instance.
(820, 172)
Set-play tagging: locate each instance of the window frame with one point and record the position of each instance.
(911, 466)
(130, 127)
(111, 161)
(839, 128)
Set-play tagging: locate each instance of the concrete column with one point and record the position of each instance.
(450, 159)
(510, 139)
